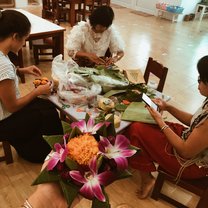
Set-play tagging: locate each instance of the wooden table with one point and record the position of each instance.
(42, 28)
(73, 114)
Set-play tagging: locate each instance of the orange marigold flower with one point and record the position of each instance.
(82, 148)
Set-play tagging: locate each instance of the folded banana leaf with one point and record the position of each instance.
(136, 111)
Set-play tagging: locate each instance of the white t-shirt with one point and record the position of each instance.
(7, 71)
(83, 38)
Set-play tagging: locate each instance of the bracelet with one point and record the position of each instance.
(164, 127)
(27, 204)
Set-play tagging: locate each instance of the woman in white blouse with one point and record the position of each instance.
(96, 41)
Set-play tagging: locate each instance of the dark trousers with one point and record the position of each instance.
(24, 129)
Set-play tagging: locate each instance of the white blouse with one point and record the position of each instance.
(7, 71)
(83, 38)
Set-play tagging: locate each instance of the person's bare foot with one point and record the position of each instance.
(146, 188)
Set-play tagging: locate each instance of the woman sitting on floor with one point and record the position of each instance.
(23, 119)
(89, 41)
(181, 151)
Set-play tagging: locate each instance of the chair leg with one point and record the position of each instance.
(158, 186)
(35, 52)
(203, 202)
(7, 152)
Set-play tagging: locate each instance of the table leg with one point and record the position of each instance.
(59, 44)
(21, 65)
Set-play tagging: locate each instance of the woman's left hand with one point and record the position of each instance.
(156, 115)
(34, 70)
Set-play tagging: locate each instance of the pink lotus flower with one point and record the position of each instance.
(88, 127)
(119, 151)
(92, 181)
(59, 155)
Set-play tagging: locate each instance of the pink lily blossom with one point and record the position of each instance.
(92, 181)
(119, 151)
(88, 127)
(59, 155)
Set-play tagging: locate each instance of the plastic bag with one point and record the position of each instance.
(60, 68)
(73, 88)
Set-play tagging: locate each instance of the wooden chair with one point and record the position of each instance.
(49, 10)
(196, 186)
(43, 47)
(84, 10)
(158, 70)
(7, 153)
(102, 2)
(63, 9)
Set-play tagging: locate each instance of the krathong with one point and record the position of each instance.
(87, 158)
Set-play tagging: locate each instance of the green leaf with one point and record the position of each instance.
(71, 164)
(98, 204)
(66, 127)
(123, 174)
(46, 176)
(70, 191)
(53, 139)
(121, 107)
(113, 92)
(75, 132)
(109, 130)
(87, 116)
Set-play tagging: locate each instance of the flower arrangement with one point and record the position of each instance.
(87, 158)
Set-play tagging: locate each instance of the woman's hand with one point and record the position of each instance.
(160, 103)
(156, 115)
(44, 89)
(95, 59)
(34, 70)
(109, 61)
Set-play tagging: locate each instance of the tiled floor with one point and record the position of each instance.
(177, 46)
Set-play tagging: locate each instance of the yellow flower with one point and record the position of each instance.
(82, 148)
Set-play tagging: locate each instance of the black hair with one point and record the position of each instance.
(202, 67)
(103, 15)
(12, 21)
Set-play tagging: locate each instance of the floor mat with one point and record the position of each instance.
(142, 13)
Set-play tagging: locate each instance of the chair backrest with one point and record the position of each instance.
(102, 2)
(86, 8)
(196, 186)
(158, 70)
(49, 9)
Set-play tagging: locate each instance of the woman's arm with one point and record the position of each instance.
(193, 145)
(13, 104)
(91, 56)
(182, 116)
(33, 70)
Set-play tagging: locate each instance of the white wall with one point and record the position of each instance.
(145, 6)
(189, 6)
(148, 6)
(125, 3)
(21, 3)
